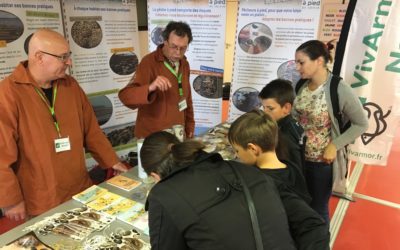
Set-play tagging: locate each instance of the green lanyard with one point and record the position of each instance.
(51, 108)
(178, 77)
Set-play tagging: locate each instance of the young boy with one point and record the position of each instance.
(277, 99)
(254, 137)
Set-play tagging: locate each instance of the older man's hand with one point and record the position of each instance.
(15, 212)
(119, 168)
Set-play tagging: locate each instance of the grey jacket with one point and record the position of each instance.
(352, 110)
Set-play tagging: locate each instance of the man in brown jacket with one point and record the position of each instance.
(46, 121)
(160, 88)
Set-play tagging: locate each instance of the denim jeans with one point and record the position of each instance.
(319, 182)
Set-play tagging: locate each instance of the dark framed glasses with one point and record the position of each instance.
(63, 58)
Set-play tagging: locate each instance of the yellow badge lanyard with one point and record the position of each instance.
(51, 108)
(178, 77)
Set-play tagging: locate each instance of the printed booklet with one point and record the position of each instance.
(123, 182)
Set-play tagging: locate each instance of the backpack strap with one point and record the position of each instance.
(252, 209)
(299, 84)
(335, 103)
(335, 99)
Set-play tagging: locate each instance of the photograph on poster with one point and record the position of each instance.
(246, 99)
(87, 34)
(156, 35)
(121, 134)
(11, 27)
(255, 38)
(287, 71)
(208, 86)
(124, 63)
(102, 107)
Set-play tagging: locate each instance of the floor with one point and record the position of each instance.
(373, 220)
(6, 224)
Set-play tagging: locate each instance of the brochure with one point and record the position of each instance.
(104, 201)
(123, 182)
(89, 194)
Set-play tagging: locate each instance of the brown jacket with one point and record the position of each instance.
(30, 169)
(158, 110)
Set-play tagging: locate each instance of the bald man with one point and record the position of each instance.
(46, 121)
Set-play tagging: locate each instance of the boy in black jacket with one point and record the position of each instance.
(277, 99)
(254, 137)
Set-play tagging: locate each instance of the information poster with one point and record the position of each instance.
(268, 33)
(332, 17)
(18, 20)
(331, 22)
(103, 36)
(205, 54)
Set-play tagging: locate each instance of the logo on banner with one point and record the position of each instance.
(375, 113)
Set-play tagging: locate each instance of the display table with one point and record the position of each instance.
(215, 140)
(138, 194)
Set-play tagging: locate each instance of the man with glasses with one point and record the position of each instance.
(160, 88)
(46, 121)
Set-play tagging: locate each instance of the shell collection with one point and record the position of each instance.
(118, 240)
(216, 140)
(76, 223)
(27, 241)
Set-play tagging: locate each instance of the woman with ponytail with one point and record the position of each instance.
(315, 111)
(199, 202)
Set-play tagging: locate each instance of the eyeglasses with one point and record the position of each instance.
(63, 58)
(177, 48)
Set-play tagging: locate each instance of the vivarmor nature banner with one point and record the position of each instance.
(371, 65)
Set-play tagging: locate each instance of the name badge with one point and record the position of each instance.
(62, 144)
(182, 105)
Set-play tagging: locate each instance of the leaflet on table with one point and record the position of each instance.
(131, 215)
(122, 206)
(105, 200)
(123, 182)
(90, 194)
(131, 212)
(142, 223)
(110, 203)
